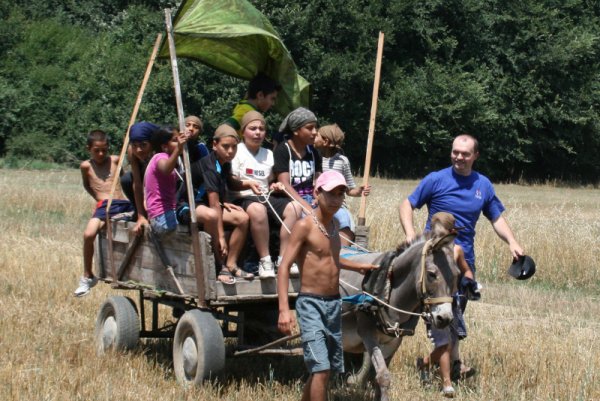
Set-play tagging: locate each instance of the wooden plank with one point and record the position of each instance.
(127, 257)
(244, 288)
(146, 270)
(361, 236)
(99, 258)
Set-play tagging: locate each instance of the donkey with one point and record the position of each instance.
(422, 279)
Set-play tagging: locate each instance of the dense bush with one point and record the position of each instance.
(523, 76)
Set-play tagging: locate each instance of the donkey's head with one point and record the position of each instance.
(439, 278)
(425, 276)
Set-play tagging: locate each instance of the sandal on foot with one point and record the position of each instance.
(239, 273)
(461, 371)
(448, 392)
(467, 371)
(226, 277)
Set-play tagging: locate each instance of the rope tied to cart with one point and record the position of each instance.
(266, 195)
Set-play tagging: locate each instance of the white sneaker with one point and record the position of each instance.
(266, 269)
(294, 271)
(85, 284)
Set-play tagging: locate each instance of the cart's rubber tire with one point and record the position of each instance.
(117, 325)
(198, 348)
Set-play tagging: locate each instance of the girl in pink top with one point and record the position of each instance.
(160, 180)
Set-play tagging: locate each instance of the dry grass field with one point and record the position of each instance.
(532, 340)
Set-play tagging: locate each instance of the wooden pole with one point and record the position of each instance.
(198, 263)
(363, 199)
(117, 176)
(134, 114)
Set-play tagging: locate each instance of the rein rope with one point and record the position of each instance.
(267, 194)
(427, 301)
(310, 213)
(383, 302)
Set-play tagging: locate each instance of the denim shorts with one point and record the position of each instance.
(320, 320)
(344, 219)
(164, 223)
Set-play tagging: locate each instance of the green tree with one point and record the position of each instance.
(523, 76)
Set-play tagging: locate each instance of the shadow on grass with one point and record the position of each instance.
(264, 370)
(285, 370)
(160, 352)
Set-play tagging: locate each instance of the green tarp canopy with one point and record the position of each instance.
(234, 37)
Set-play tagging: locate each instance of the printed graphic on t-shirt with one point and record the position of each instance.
(301, 176)
(258, 173)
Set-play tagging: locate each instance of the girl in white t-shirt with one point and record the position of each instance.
(253, 162)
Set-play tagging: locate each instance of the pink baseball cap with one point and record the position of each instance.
(329, 180)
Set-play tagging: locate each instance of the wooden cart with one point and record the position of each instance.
(164, 272)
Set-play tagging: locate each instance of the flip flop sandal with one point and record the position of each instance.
(460, 371)
(239, 273)
(467, 372)
(226, 277)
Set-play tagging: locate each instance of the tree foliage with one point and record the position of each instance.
(523, 76)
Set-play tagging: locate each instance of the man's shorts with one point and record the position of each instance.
(278, 203)
(320, 320)
(164, 223)
(344, 219)
(117, 206)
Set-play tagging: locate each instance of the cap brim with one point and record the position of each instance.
(330, 187)
(523, 268)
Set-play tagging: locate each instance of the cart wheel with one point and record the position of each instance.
(117, 325)
(198, 347)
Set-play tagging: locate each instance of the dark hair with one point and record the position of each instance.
(262, 83)
(97, 136)
(161, 136)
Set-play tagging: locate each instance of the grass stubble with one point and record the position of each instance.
(532, 340)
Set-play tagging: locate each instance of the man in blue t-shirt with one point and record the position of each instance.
(464, 193)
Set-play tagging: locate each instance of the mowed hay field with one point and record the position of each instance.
(531, 340)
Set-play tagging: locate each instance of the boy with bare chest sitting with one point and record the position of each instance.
(315, 245)
(97, 175)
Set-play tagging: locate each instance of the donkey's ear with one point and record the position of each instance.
(444, 240)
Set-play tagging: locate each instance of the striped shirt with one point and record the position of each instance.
(341, 164)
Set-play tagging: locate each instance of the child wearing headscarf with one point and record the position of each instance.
(139, 154)
(329, 141)
(297, 163)
(254, 162)
(211, 179)
(197, 149)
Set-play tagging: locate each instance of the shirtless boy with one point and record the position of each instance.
(315, 245)
(97, 174)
